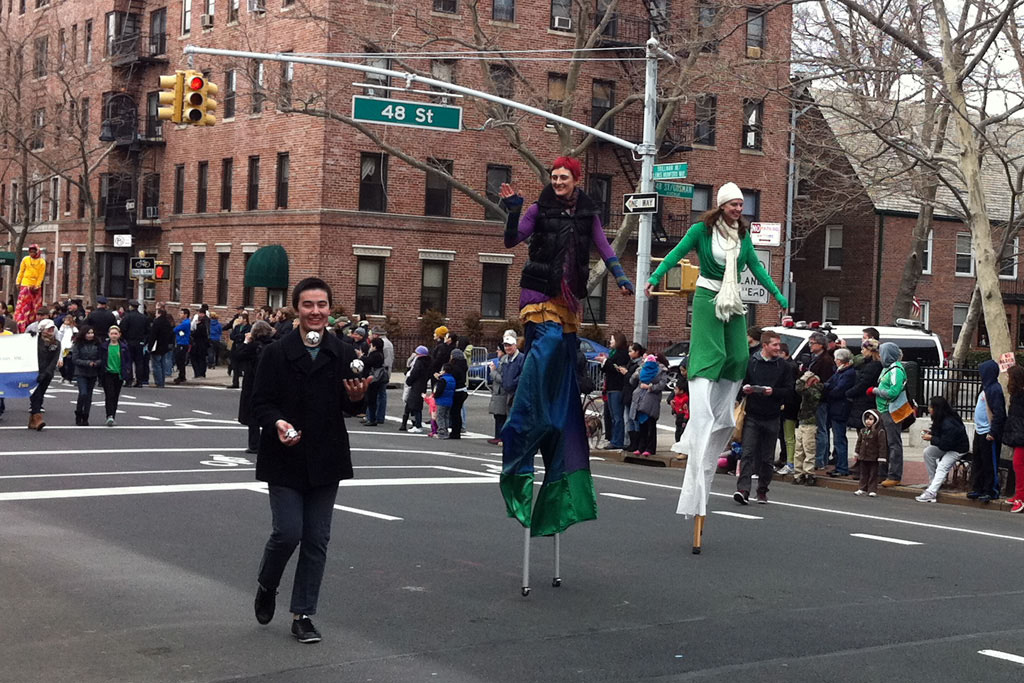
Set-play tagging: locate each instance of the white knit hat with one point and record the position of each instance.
(729, 192)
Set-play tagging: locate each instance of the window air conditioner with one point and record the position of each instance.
(258, 6)
(563, 23)
(152, 212)
(206, 20)
(753, 52)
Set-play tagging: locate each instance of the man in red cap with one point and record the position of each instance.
(30, 279)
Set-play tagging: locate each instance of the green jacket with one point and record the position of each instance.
(810, 398)
(890, 384)
(697, 237)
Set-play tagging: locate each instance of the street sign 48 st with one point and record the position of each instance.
(401, 113)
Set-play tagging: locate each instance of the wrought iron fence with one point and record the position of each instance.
(959, 386)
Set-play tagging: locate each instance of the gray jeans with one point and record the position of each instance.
(894, 435)
(759, 438)
(938, 463)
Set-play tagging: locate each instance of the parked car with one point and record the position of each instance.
(918, 344)
(677, 353)
(591, 349)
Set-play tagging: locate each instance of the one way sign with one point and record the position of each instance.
(640, 202)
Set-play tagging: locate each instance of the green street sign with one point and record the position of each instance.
(680, 190)
(670, 171)
(411, 114)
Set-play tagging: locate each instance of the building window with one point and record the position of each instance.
(284, 95)
(959, 318)
(377, 79)
(87, 47)
(176, 276)
(926, 256)
(652, 311)
(151, 196)
(38, 124)
(65, 273)
(834, 247)
(706, 13)
(15, 201)
(438, 193)
(158, 32)
(233, 8)
(561, 15)
(701, 202)
(252, 198)
(186, 16)
(54, 198)
(283, 173)
(707, 112)
(373, 182)
(556, 92)
(446, 6)
(594, 305)
(247, 292)
(81, 197)
(964, 255)
(256, 75)
(751, 205)
(179, 189)
(493, 293)
(504, 85)
(67, 198)
(755, 30)
(602, 99)
(42, 46)
(434, 287)
(370, 285)
(830, 309)
(203, 186)
(230, 84)
(442, 70)
(496, 175)
(223, 258)
(1008, 261)
(81, 272)
(925, 313)
(154, 126)
(199, 276)
(503, 10)
(753, 114)
(227, 171)
(600, 190)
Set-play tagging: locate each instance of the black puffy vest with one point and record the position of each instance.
(555, 234)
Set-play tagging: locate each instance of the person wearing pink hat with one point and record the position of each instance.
(415, 386)
(30, 279)
(718, 347)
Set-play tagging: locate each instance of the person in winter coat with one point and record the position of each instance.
(416, 382)
(680, 402)
(790, 410)
(498, 405)
(645, 407)
(1013, 433)
(161, 346)
(240, 327)
(948, 443)
(66, 333)
(101, 318)
(48, 355)
(460, 371)
(891, 384)
(989, 418)
(632, 429)
(87, 358)
(615, 366)
(834, 393)
(373, 368)
(115, 370)
(250, 350)
(135, 329)
(200, 347)
(444, 396)
(871, 445)
(216, 340)
(868, 366)
(809, 389)
(182, 341)
(442, 351)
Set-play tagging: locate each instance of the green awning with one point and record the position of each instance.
(7, 258)
(268, 267)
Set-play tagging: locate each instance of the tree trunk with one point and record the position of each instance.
(901, 306)
(963, 342)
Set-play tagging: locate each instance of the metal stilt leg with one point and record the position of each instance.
(526, 562)
(557, 581)
(698, 533)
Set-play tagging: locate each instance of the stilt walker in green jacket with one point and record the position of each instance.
(718, 347)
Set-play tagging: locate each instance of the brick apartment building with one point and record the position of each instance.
(848, 269)
(391, 239)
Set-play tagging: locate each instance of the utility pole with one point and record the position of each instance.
(647, 149)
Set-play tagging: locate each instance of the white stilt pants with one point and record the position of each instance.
(707, 434)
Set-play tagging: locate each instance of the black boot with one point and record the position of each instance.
(405, 422)
(634, 442)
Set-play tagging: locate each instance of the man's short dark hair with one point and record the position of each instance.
(186, 311)
(871, 332)
(768, 335)
(310, 283)
(754, 332)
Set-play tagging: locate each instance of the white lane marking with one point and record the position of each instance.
(886, 539)
(128, 397)
(812, 508)
(147, 417)
(71, 475)
(1016, 659)
(123, 428)
(201, 412)
(355, 511)
(622, 496)
(734, 514)
(107, 451)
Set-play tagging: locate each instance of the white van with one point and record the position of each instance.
(918, 344)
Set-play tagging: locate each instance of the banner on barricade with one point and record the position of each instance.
(19, 365)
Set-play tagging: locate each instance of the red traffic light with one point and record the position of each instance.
(195, 83)
(161, 272)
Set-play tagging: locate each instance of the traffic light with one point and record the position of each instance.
(161, 271)
(171, 97)
(199, 105)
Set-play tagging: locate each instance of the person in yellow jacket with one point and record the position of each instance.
(30, 279)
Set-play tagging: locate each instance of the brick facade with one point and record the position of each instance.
(322, 226)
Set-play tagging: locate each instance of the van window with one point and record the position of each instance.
(921, 350)
(792, 342)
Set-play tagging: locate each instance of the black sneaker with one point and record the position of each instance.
(762, 499)
(265, 605)
(741, 497)
(304, 631)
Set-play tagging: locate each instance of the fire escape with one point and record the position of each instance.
(628, 32)
(131, 51)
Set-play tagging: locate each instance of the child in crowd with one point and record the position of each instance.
(650, 380)
(432, 407)
(729, 461)
(680, 402)
(444, 394)
(871, 444)
(809, 388)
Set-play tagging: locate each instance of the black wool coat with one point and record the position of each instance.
(308, 394)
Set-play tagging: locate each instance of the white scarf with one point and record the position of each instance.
(728, 302)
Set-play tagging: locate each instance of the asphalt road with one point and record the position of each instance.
(130, 554)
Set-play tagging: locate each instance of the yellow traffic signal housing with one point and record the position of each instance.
(678, 281)
(171, 90)
(198, 105)
(211, 104)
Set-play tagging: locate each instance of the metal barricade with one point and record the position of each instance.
(479, 372)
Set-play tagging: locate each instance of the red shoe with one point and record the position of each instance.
(1018, 506)
(1012, 501)
(636, 452)
(647, 454)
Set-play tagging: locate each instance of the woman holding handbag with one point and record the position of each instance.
(376, 370)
